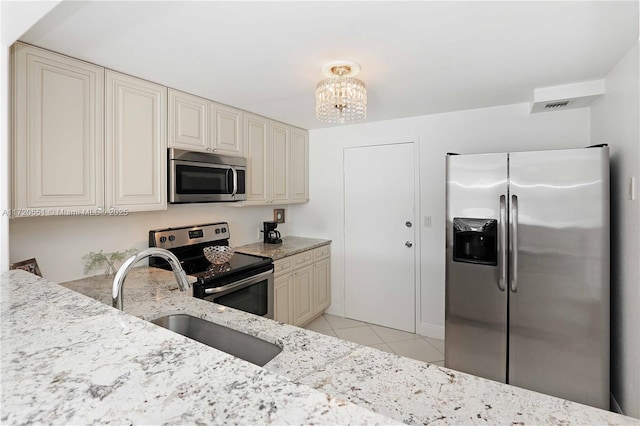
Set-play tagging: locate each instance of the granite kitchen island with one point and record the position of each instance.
(67, 358)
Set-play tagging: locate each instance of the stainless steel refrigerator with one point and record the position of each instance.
(527, 270)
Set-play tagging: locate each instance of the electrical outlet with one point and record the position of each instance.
(632, 189)
(427, 221)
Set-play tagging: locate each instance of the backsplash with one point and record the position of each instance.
(58, 243)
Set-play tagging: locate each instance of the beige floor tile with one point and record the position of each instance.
(327, 332)
(361, 335)
(382, 347)
(341, 322)
(318, 324)
(392, 335)
(417, 349)
(437, 343)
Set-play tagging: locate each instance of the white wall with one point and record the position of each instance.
(16, 17)
(58, 243)
(615, 120)
(505, 128)
(4, 158)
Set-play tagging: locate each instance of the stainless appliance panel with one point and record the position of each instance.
(559, 289)
(475, 296)
(199, 169)
(254, 295)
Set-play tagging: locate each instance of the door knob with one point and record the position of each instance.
(408, 224)
(408, 244)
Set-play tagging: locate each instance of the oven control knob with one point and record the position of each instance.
(217, 230)
(224, 229)
(163, 239)
(172, 237)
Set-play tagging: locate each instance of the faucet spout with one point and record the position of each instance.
(174, 263)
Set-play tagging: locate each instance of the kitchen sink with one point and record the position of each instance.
(233, 342)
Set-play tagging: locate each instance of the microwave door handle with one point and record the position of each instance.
(235, 181)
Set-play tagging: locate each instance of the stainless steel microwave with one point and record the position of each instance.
(199, 177)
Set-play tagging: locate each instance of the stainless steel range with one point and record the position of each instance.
(245, 282)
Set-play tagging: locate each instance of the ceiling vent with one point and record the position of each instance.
(556, 105)
(568, 96)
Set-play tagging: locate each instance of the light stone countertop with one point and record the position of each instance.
(288, 247)
(87, 362)
(68, 359)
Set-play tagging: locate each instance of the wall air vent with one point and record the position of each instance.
(568, 96)
(556, 105)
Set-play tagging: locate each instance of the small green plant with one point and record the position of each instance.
(93, 260)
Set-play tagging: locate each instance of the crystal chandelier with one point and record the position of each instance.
(341, 98)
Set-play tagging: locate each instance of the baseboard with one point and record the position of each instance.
(430, 330)
(613, 405)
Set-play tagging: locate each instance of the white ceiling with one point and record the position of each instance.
(417, 57)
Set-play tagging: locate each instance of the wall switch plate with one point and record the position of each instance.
(427, 221)
(632, 188)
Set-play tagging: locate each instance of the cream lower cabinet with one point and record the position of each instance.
(302, 286)
(58, 133)
(282, 298)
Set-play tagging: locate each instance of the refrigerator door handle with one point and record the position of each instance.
(502, 251)
(513, 247)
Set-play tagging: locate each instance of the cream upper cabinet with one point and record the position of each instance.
(257, 143)
(136, 143)
(198, 124)
(188, 121)
(280, 162)
(277, 162)
(225, 130)
(58, 132)
(299, 165)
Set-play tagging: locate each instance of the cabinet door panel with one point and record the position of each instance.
(282, 298)
(280, 139)
(322, 285)
(302, 295)
(136, 143)
(187, 121)
(58, 122)
(258, 156)
(299, 165)
(226, 129)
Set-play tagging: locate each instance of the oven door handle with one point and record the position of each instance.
(240, 283)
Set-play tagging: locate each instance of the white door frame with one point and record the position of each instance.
(417, 234)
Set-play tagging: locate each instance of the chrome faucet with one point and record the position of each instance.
(118, 281)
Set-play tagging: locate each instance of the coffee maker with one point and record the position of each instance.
(271, 236)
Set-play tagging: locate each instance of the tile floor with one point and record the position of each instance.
(383, 338)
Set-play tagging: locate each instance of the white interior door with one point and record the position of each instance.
(379, 245)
